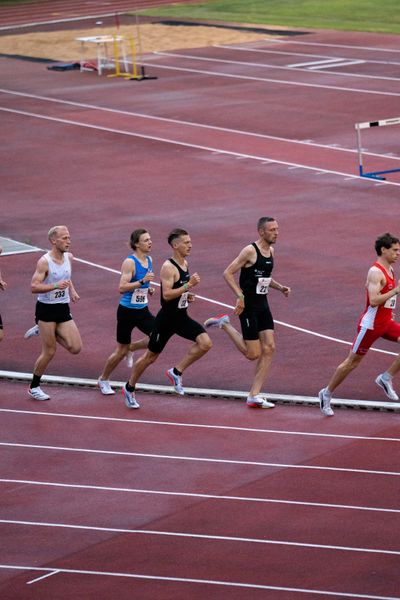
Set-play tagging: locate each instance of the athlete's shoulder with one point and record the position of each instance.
(375, 273)
(168, 264)
(248, 250)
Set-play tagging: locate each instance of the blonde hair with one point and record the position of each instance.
(54, 230)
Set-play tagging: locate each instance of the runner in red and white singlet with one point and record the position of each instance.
(376, 321)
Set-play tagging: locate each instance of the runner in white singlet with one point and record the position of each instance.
(52, 282)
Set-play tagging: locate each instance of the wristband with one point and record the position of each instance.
(55, 286)
(240, 296)
(186, 286)
(395, 294)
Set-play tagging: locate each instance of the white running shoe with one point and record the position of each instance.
(176, 381)
(217, 321)
(259, 402)
(325, 403)
(32, 332)
(130, 399)
(105, 387)
(37, 393)
(386, 385)
(129, 359)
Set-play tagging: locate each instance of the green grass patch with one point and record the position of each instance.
(353, 15)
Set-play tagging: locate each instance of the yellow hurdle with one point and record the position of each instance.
(134, 76)
(118, 40)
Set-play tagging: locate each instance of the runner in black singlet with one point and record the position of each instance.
(172, 318)
(255, 263)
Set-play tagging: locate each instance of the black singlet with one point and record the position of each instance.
(173, 305)
(250, 276)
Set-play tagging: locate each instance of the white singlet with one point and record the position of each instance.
(56, 273)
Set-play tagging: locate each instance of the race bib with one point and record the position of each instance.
(139, 296)
(183, 300)
(391, 302)
(263, 285)
(57, 295)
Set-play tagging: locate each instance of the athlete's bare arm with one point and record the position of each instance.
(375, 283)
(246, 258)
(127, 272)
(40, 274)
(280, 287)
(169, 275)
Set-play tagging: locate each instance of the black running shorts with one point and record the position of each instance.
(167, 324)
(52, 313)
(129, 318)
(253, 321)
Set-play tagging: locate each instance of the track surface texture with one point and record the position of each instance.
(195, 497)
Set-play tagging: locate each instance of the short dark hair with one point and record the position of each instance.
(135, 237)
(261, 222)
(386, 240)
(175, 233)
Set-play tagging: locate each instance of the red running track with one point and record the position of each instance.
(314, 512)
(191, 497)
(28, 13)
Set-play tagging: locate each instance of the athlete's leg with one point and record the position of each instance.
(142, 363)
(139, 344)
(395, 366)
(49, 345)
(251, 349)
(344, 369)
(113, 360)
(201, 346)
(394, 336)
(69, 337)
(267, 346)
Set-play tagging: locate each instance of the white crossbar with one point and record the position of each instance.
(393, 121)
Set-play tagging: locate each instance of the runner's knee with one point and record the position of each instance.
(205, 344)
(253, 354)
(268, 348)
(49, 352)
(75, 349)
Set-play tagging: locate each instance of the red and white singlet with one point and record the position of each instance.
(377, 317)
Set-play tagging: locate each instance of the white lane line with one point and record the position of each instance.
(191, 124)
(173, 142)
(322, 45)
(185, 144)
(349, 63)
(292, 53)
(202, 536)
(234, 584)
(325, 61)
(203, 426)
(268, 80)
(176, 494)
(200, 459)
(283, 68)
(43, 577)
